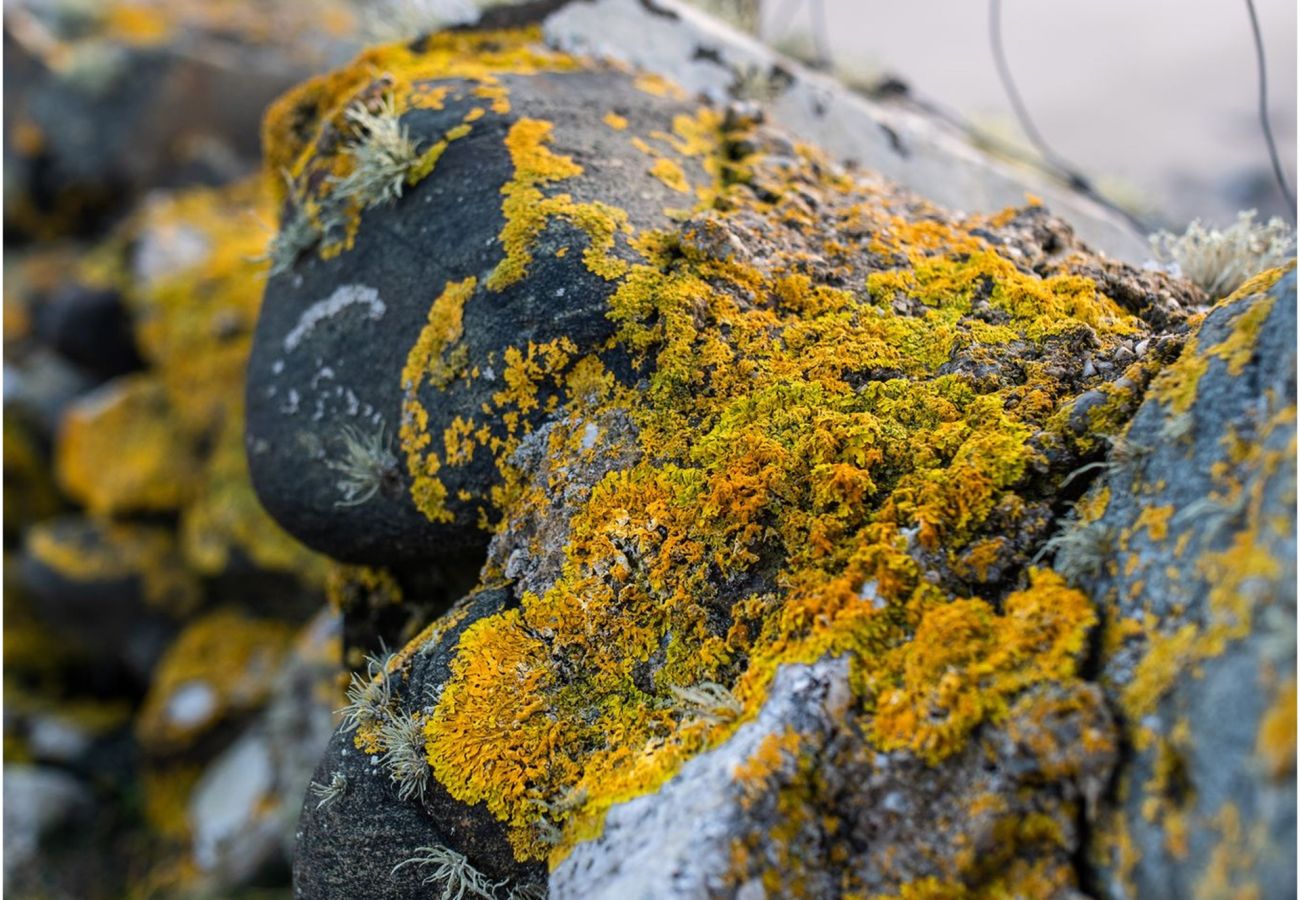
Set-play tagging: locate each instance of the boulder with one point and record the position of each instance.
(761, 502)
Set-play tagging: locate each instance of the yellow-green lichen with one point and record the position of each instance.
(761, 442)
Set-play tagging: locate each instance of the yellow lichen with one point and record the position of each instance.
(433, 359)
(1276, 741)
(131, 421)
(527, 210)
(671, 175)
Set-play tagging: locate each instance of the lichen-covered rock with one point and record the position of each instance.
(797, 424)
(221, 666)
(349, 448)
(1187, 545)
(131, 520)
(358, 832)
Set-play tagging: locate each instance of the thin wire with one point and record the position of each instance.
(1064, 168)
(820, 33)
(1278, 173)
(1017, 102)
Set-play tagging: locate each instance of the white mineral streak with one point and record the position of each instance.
(345, 296)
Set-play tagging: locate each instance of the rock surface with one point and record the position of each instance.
(1187, 544)
(745, 523)
(763, 506)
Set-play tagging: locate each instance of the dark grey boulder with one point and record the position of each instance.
(334, 335)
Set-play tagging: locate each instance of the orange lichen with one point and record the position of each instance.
(433, 358)
(758, 445)
(671, 175)
(965, 662)
(830, 425)
(1177, 384)
(1276, 741)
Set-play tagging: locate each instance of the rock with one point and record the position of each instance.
(42, 387)
(240, 816)
(1187, 544)
(232, 835)
(357, 831)
(30, 494)
(115, 590)
(803, 797)
(901, 140)
(118, 98)
(90, 327)
(333, 427)
(771, 501)
(37, 800)
(156, 470)
(299, 718)
(222, 666)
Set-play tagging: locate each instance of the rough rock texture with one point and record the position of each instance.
(37, 800)
(1187, 544)
(800, 434)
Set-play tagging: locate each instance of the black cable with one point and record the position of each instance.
(1063, 168)
(820, 33)
(1018, 104)
(1278, 173)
